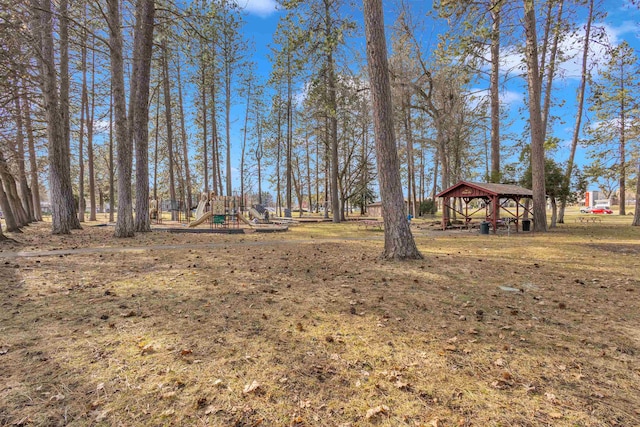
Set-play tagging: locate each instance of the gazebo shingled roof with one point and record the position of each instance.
(491, 194)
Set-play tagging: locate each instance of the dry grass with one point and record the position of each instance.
(309, 328)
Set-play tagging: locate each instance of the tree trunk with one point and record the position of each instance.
(9, 219)
(205, 163)
(185, 147)
(636, 213)
(112, 190)
(227, 110)
(550, 72)
(535, 120)
(155, 155)
(33, 161)
(25, 193)
(411, 178)
(143, 46)
(168, 118)
(59, 177)
(578, 124)
(288, 155)
(258, 154)
(90, 157)
(124, 223)
(332, 108)
(399, 243)
(84, 101)
(11, 190)
(215, 163)
(244, 140)
(494, 90)
(65, 158)
(622, 147)
(308, 167)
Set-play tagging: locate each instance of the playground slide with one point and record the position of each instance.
(200, 220)
(200, 210)
(255, 213)
(244, 219)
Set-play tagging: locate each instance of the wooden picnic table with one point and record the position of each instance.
(588, 219)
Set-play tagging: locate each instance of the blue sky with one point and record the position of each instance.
(620, 24)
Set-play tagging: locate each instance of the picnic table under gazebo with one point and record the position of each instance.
(495, 199)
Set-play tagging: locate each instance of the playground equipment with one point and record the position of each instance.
(223, 210)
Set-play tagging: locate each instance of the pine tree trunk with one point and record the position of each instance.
(535, 120)
(25, 193)
(494, 90)
(398, 243)
(185, 148)
(65, 155)
(90, 157)
(215, 163)
(33, 163)
(636, 213)
(333, 139)
(227, 115)
(124, 223)
(11, 190)
(59, 178)
(622, 180)
(83, 108)
(112, 192)
(244, 140)
(205, 163)
(289, 160)
(332, 108)
(145, 15)
(9, 219)
(550, 72)
(576, 129)
(169, 124)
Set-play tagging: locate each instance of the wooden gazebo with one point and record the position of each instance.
(495, 199)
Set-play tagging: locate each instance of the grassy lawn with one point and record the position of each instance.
(310, 328)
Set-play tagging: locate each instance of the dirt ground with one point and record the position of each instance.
(310, 328)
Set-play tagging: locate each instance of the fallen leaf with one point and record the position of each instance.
(250, 388)
(100, 386)
(555, 415)
(381, 409)
(450, 347)
(58, 397)
(550, 397)
(499, 362)
(4, 350)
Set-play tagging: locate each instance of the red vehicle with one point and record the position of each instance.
(598, 210)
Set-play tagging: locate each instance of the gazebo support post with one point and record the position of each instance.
(496, 207)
